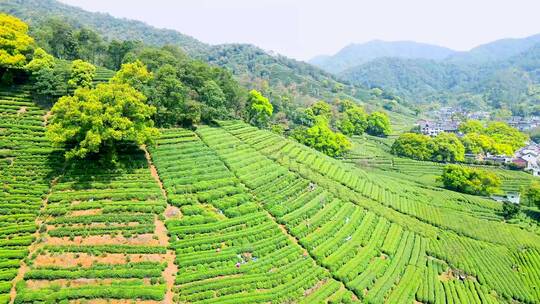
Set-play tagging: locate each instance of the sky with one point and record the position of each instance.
(302, 29)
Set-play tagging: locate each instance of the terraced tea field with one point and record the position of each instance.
(234, 214)
(373, 154)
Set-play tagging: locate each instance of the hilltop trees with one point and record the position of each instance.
(412, 145)
(378, 124)
(469, 180)
(532, 194)
(445, 147)
(259, 108)
(94, 120)
(82, 74)
(322, 138)
(15, 43)
(354, 121)
(497, 138)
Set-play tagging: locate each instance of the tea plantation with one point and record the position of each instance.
(234, 214)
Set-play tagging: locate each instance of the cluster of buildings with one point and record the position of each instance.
(448, 120)
(524, 123)
(528, 158)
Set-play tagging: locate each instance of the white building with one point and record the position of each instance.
(529, 158)
(432, 128)
(512, 197)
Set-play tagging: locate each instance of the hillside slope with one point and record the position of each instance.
(506, 82)
(356, 54)
(243, 215)
(296, 80)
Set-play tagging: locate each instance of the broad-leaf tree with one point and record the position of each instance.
(134, 74)
(94, 120)
(354, 121)
(378, 124)
(40, 60)
(412, 145)
(15, 43)
(470, 180)
(322, 138)
(259, 108)
(446, 147)
(532, 194)
(82, 74)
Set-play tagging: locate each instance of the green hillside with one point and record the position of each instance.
(243, 216)
(276, 75)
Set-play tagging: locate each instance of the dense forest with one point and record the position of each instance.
(499, 75)
(276, 76)
(140, 172)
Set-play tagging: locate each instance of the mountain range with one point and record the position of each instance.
(501, 74)
(298, 81)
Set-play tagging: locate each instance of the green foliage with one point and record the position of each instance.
(471, 126)
(322, 138)
(51, 82)
(503, 134)
(320, 108)
(15, 43)
(497, 138)
(412, 145)
(378, 124)
(185, 91)
(259, 108)
(447, 147)
(134, 74)
(82, 74)
(169, 96)
(532, 194)
(95, 119)
(510, 210)
(40, 60)
(489, 85)
(470, 180)
(354, 121)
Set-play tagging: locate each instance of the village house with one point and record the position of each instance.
(524, 124)
(529, 158)
(479, 115)
(434, 128)
(512, 197)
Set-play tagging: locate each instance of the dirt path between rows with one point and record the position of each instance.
(169, 274)
(33, 247)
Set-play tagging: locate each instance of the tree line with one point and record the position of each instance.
(496, 138)
(153, 87)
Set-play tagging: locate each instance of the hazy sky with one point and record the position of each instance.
(304, 28)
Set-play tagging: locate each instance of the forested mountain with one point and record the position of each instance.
(37, 11)
(296, 81)
(355, 54)
(510, 83)
(496, 50)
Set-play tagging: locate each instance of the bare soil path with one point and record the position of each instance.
(33, 247)
(169, 274)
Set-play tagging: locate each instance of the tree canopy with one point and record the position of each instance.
(447, 147)
(82, 74)
(354, 121)
(259, 108)
(322, 138)
(497, 137)
(378, 124)
(470, 180)
(413, 145)
(93, 120)
(15, 43)
(531, 194)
